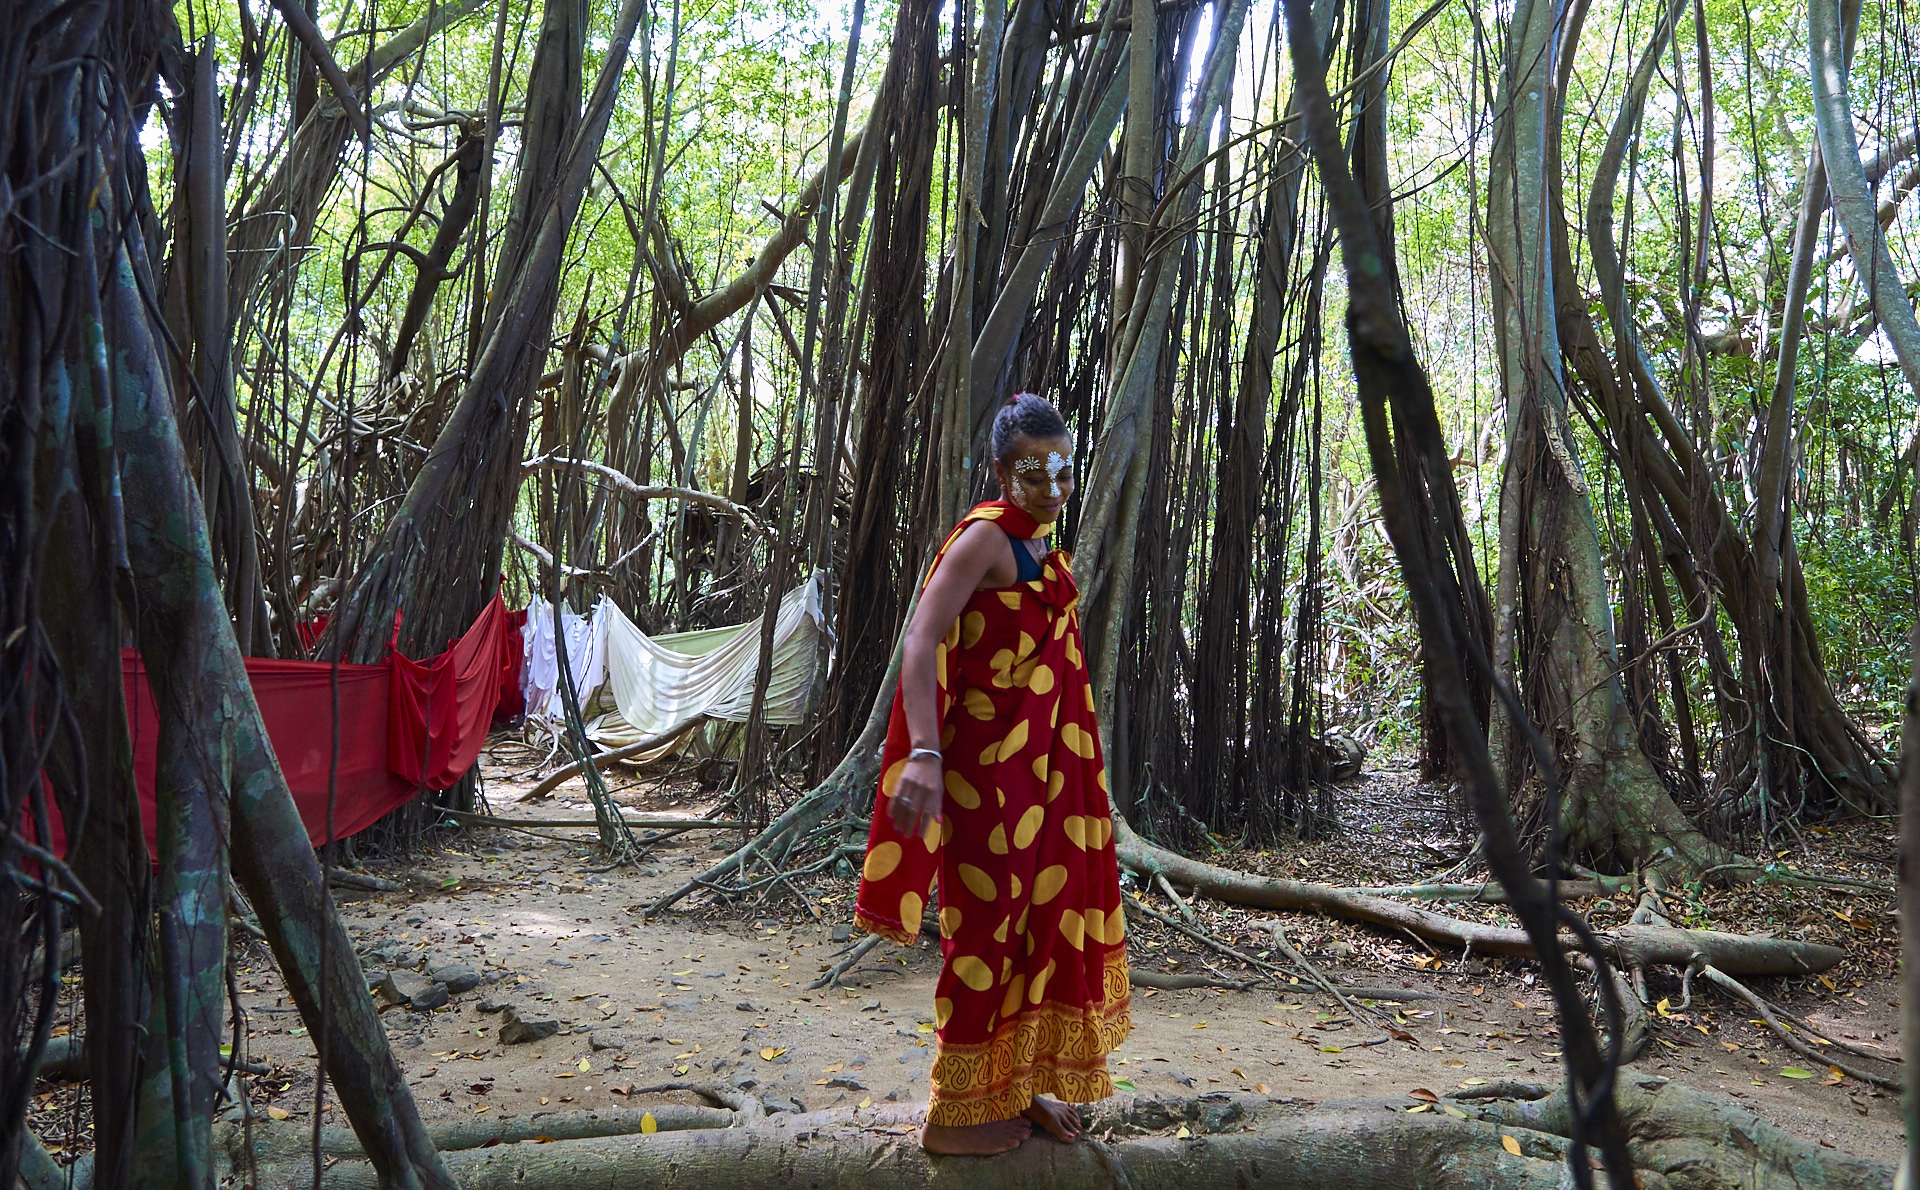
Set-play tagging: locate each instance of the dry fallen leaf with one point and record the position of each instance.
(1262, 1088)
(1183, 1134)
(769, 1053)
(648, 1124)
(279, 1113)
(1423, 1095)
(1509, 1144)
(585, 1065)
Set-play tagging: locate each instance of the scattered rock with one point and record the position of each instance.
(745, 1006)
(612, 1039)
(1340, 949)
(410, 987)
(846, 1084)
(746, 1083)
(456, 977)
(558, 963)
(492, 1004)
(873, 1007)
(775, 1104)
(1475, 968)
(843, 933)
(517, 1029)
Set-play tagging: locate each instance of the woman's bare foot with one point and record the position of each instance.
(1061, 1119)
(975, 1140)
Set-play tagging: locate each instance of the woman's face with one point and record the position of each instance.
(1038, 476)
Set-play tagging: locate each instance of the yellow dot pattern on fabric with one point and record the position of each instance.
(997, 841)
(912, 906)
(1046, 886)
(1099, 832)
(1080, 742)
(932, 835)
(1101, 780)
(1096, 924)
(1056, 783)
(892, 777)
(1040, 766)
(1060, 627)
(1073, 650)
(1075, 828)
(942, 1012)
(949, 920)
(940, 663)
(1016, 740)
(882, 860)
(1037, 990)
(1011, 599)
(1000, 933)
(1041, 680)
(1006, 968)
(1073, 928)
(963, 794)
(971, 626)
(1015, 881)
(979, 883)
(1088, 691)
(946, 830)
(1010, 1003)
(1028, 827)
(1020, 927)
(973, 972)
(978, 703)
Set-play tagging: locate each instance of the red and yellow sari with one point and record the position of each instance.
(1033, 991)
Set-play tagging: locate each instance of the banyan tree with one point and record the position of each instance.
(1527, 388)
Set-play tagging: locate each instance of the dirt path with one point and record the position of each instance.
(723, 997)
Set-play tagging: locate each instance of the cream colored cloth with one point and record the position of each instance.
(661, 683)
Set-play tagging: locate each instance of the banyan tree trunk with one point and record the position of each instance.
(116, 477)
(1553, 621)
(438, 559)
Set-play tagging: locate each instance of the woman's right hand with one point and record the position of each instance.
(917, 798)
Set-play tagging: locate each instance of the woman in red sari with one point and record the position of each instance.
(992, 783)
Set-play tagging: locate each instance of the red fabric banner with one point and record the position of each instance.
(404, 725)
(296, 703)
(440, 710)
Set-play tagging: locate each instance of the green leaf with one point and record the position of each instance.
(1795, 1072)
(1124, 1084)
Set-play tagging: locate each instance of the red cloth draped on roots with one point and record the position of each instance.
(1033, 991)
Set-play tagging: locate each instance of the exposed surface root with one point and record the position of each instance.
(1679, 1139)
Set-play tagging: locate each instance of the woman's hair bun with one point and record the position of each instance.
(1024, 415)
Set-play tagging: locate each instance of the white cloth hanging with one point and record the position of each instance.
(586, 657)
(663, 682)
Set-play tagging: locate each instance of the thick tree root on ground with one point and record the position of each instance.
(1628, 946)
(1679, 1139)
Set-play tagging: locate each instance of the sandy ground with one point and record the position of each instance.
(720, 995)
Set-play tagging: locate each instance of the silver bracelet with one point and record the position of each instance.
(917, 753)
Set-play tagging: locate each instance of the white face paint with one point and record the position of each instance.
(1055, 465)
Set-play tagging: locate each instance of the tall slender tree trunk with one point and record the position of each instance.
(1554, 627)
